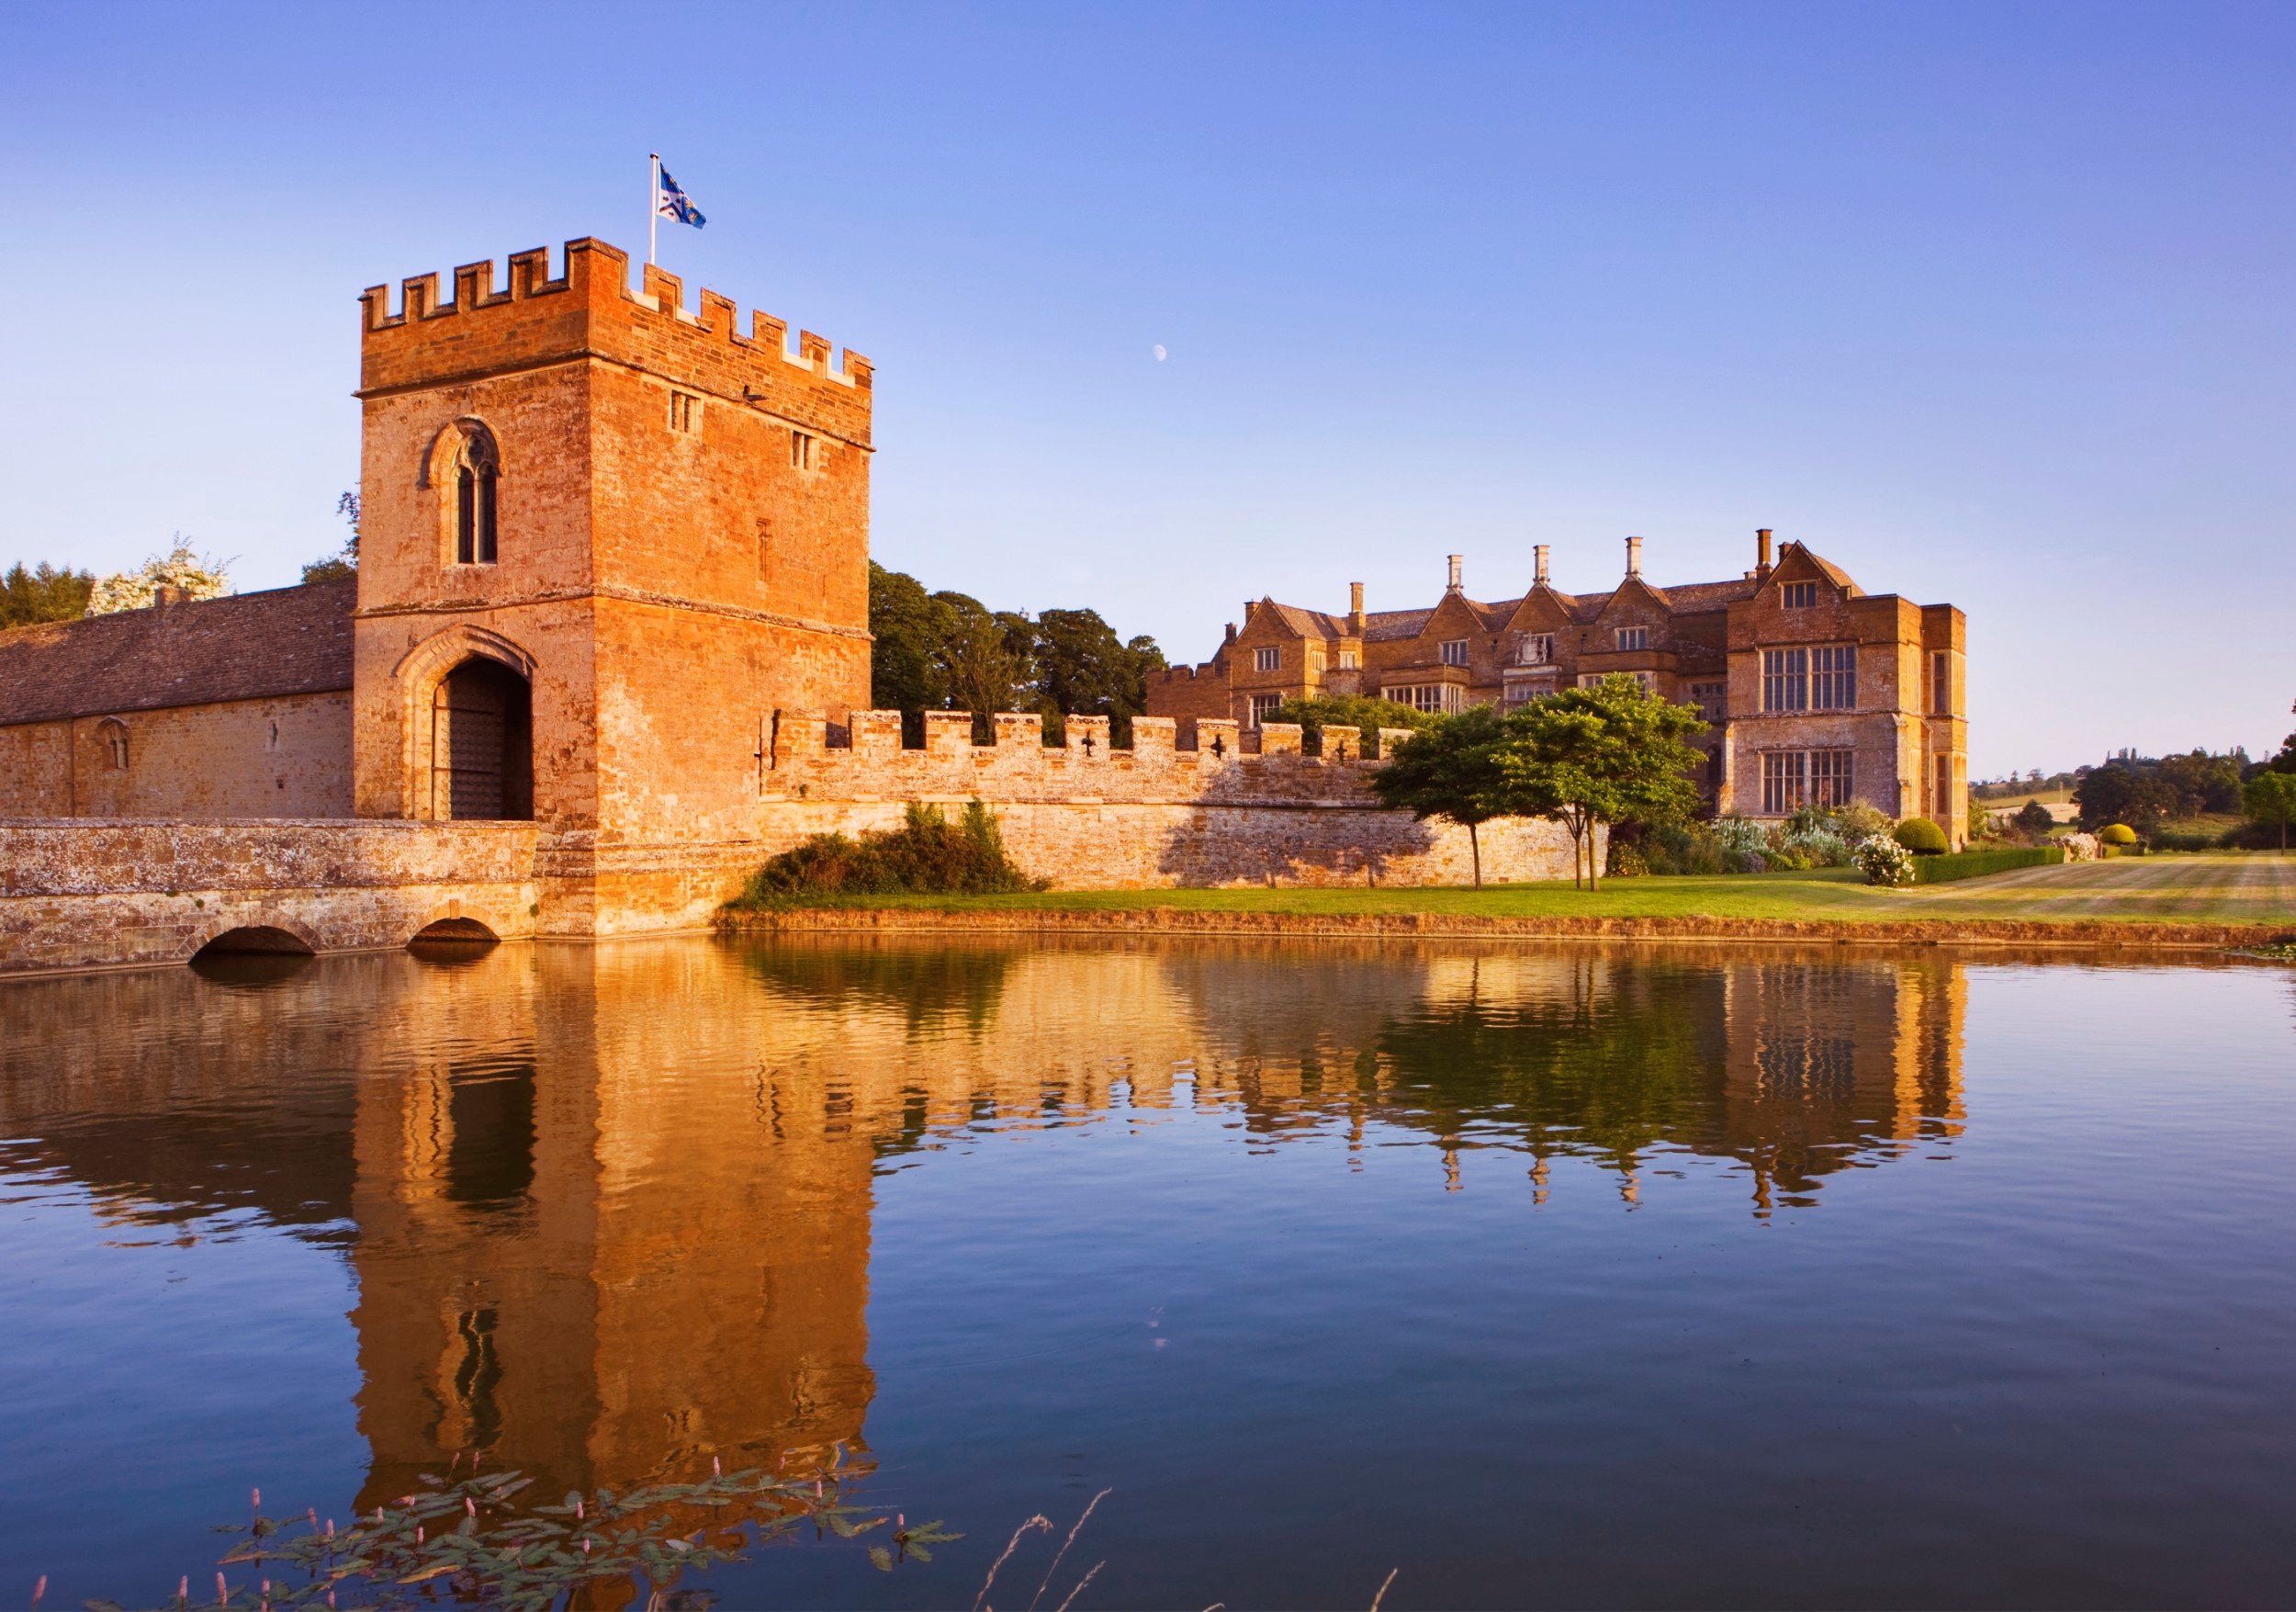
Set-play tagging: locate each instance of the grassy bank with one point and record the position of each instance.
(2252, 889)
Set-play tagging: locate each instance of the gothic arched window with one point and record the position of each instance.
(478, 472)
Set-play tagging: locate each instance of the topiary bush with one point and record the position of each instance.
(1922, 837)
(2116, 834)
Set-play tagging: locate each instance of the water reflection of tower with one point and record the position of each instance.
(598, 1242)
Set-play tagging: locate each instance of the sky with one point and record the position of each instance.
(1990, 304)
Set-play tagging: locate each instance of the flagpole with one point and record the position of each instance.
(653, 208)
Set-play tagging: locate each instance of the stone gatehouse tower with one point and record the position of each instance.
(605, 540)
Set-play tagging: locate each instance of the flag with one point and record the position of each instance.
(671, 202)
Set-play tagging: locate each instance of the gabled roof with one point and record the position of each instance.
(1834, 573)
(246, 647)
(1309, 624)
(1382, 626)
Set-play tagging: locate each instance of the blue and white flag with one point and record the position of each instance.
(671, 202)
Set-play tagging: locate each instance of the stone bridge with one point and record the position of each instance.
(126, 892)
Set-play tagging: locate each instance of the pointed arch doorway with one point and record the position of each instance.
(482, 743)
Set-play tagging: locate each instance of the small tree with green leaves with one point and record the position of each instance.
(1589, 757)
(2269, 799)
(1450, 770)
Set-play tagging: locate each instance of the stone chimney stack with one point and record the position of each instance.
(1538, 557)
(1230, 632)
(1761, 551)
(1456, 585)
(1355, 608)
(1634, 557)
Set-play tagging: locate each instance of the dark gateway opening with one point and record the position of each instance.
(482, 738)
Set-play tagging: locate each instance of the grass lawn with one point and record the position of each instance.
(2222, 886)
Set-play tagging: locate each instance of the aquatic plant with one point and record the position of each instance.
(474, 1541)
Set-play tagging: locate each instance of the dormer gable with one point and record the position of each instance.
(1796, 563)
(1454, 616)
(1634, 600)
(1267, 621)
(1543, 610)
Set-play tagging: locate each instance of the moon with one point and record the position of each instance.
(1158, 350)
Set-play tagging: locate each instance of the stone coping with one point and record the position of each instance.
(2089, 934)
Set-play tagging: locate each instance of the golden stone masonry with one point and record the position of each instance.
(605, 654)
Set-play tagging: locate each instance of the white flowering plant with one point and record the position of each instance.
(1883, 861)
(2081, 847)
(198, 576)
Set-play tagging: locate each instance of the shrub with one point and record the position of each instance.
(2195, 839)
(926, 855)
(1976, 865)
(1859, 820)
(2034, 818)
(1626, 861)
(1884, 862)
(1848, 824)
(1680, 847)
(1922, 837)
(2080, 848)
(2116, 834)
(1818, 848)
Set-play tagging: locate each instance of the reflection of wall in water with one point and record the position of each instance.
(1798, 1061)
(608, 1208)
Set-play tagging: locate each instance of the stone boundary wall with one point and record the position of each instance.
(1087, 816)
(128, 892)
(2032, 937)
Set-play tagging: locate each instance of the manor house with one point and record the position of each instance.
(1815, 691)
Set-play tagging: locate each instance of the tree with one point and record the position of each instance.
(45, 594)
(979, 670)
(1451, 771)
(1365, 713)
(195, 576)
(1079, 667)
(2035, 819)
(1593, 756)
(2269, 799)
(2122, 794)
(2204, 782)
(909, 626)
(344, 563)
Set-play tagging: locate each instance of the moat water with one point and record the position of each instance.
(1585, 1276)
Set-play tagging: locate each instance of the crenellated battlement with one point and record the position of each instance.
(866, 761)
(591, 311)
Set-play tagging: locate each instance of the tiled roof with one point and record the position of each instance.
(1687, 599)
(1379, 626)
(246, 647)
(1310, 624)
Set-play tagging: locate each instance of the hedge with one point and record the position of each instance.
(1976, 865)
(1922, 837)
